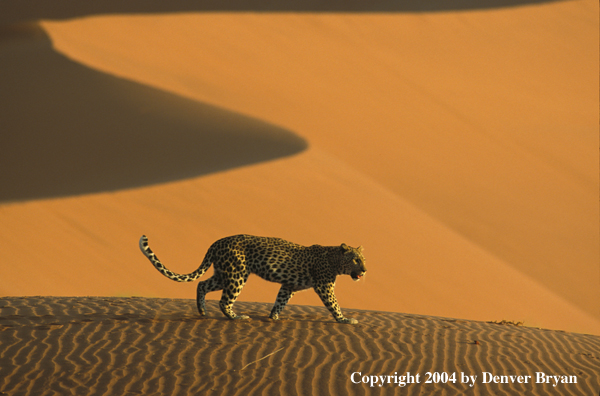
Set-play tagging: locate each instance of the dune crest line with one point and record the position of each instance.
(115, 138)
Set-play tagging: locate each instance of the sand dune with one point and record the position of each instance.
(84, 128)
(459, 147)
(108, 346)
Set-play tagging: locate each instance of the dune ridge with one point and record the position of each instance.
(102, 346)
(87, 127)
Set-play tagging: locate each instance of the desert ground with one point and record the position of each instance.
(158, 346)
(458, 144)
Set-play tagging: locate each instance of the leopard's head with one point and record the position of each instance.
(353, 262)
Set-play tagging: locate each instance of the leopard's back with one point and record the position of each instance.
(273, 259)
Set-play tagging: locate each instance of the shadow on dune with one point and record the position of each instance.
(31, 10)
(67, 129)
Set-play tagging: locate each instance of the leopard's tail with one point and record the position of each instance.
(168, 273)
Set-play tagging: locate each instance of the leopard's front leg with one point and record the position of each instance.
(327, 295)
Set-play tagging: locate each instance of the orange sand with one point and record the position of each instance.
(459, 147)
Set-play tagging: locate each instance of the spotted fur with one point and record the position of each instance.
(294, 266)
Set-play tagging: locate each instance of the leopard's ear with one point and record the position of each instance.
(345, 247)
(360, 249)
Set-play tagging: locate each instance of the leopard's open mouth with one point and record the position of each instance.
(356, 276)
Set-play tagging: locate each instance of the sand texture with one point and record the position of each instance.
(456, 141)
(123, 346)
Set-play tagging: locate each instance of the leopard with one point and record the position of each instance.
(295, 267)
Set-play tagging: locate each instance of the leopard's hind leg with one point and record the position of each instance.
(232, 287)
(211, 284)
